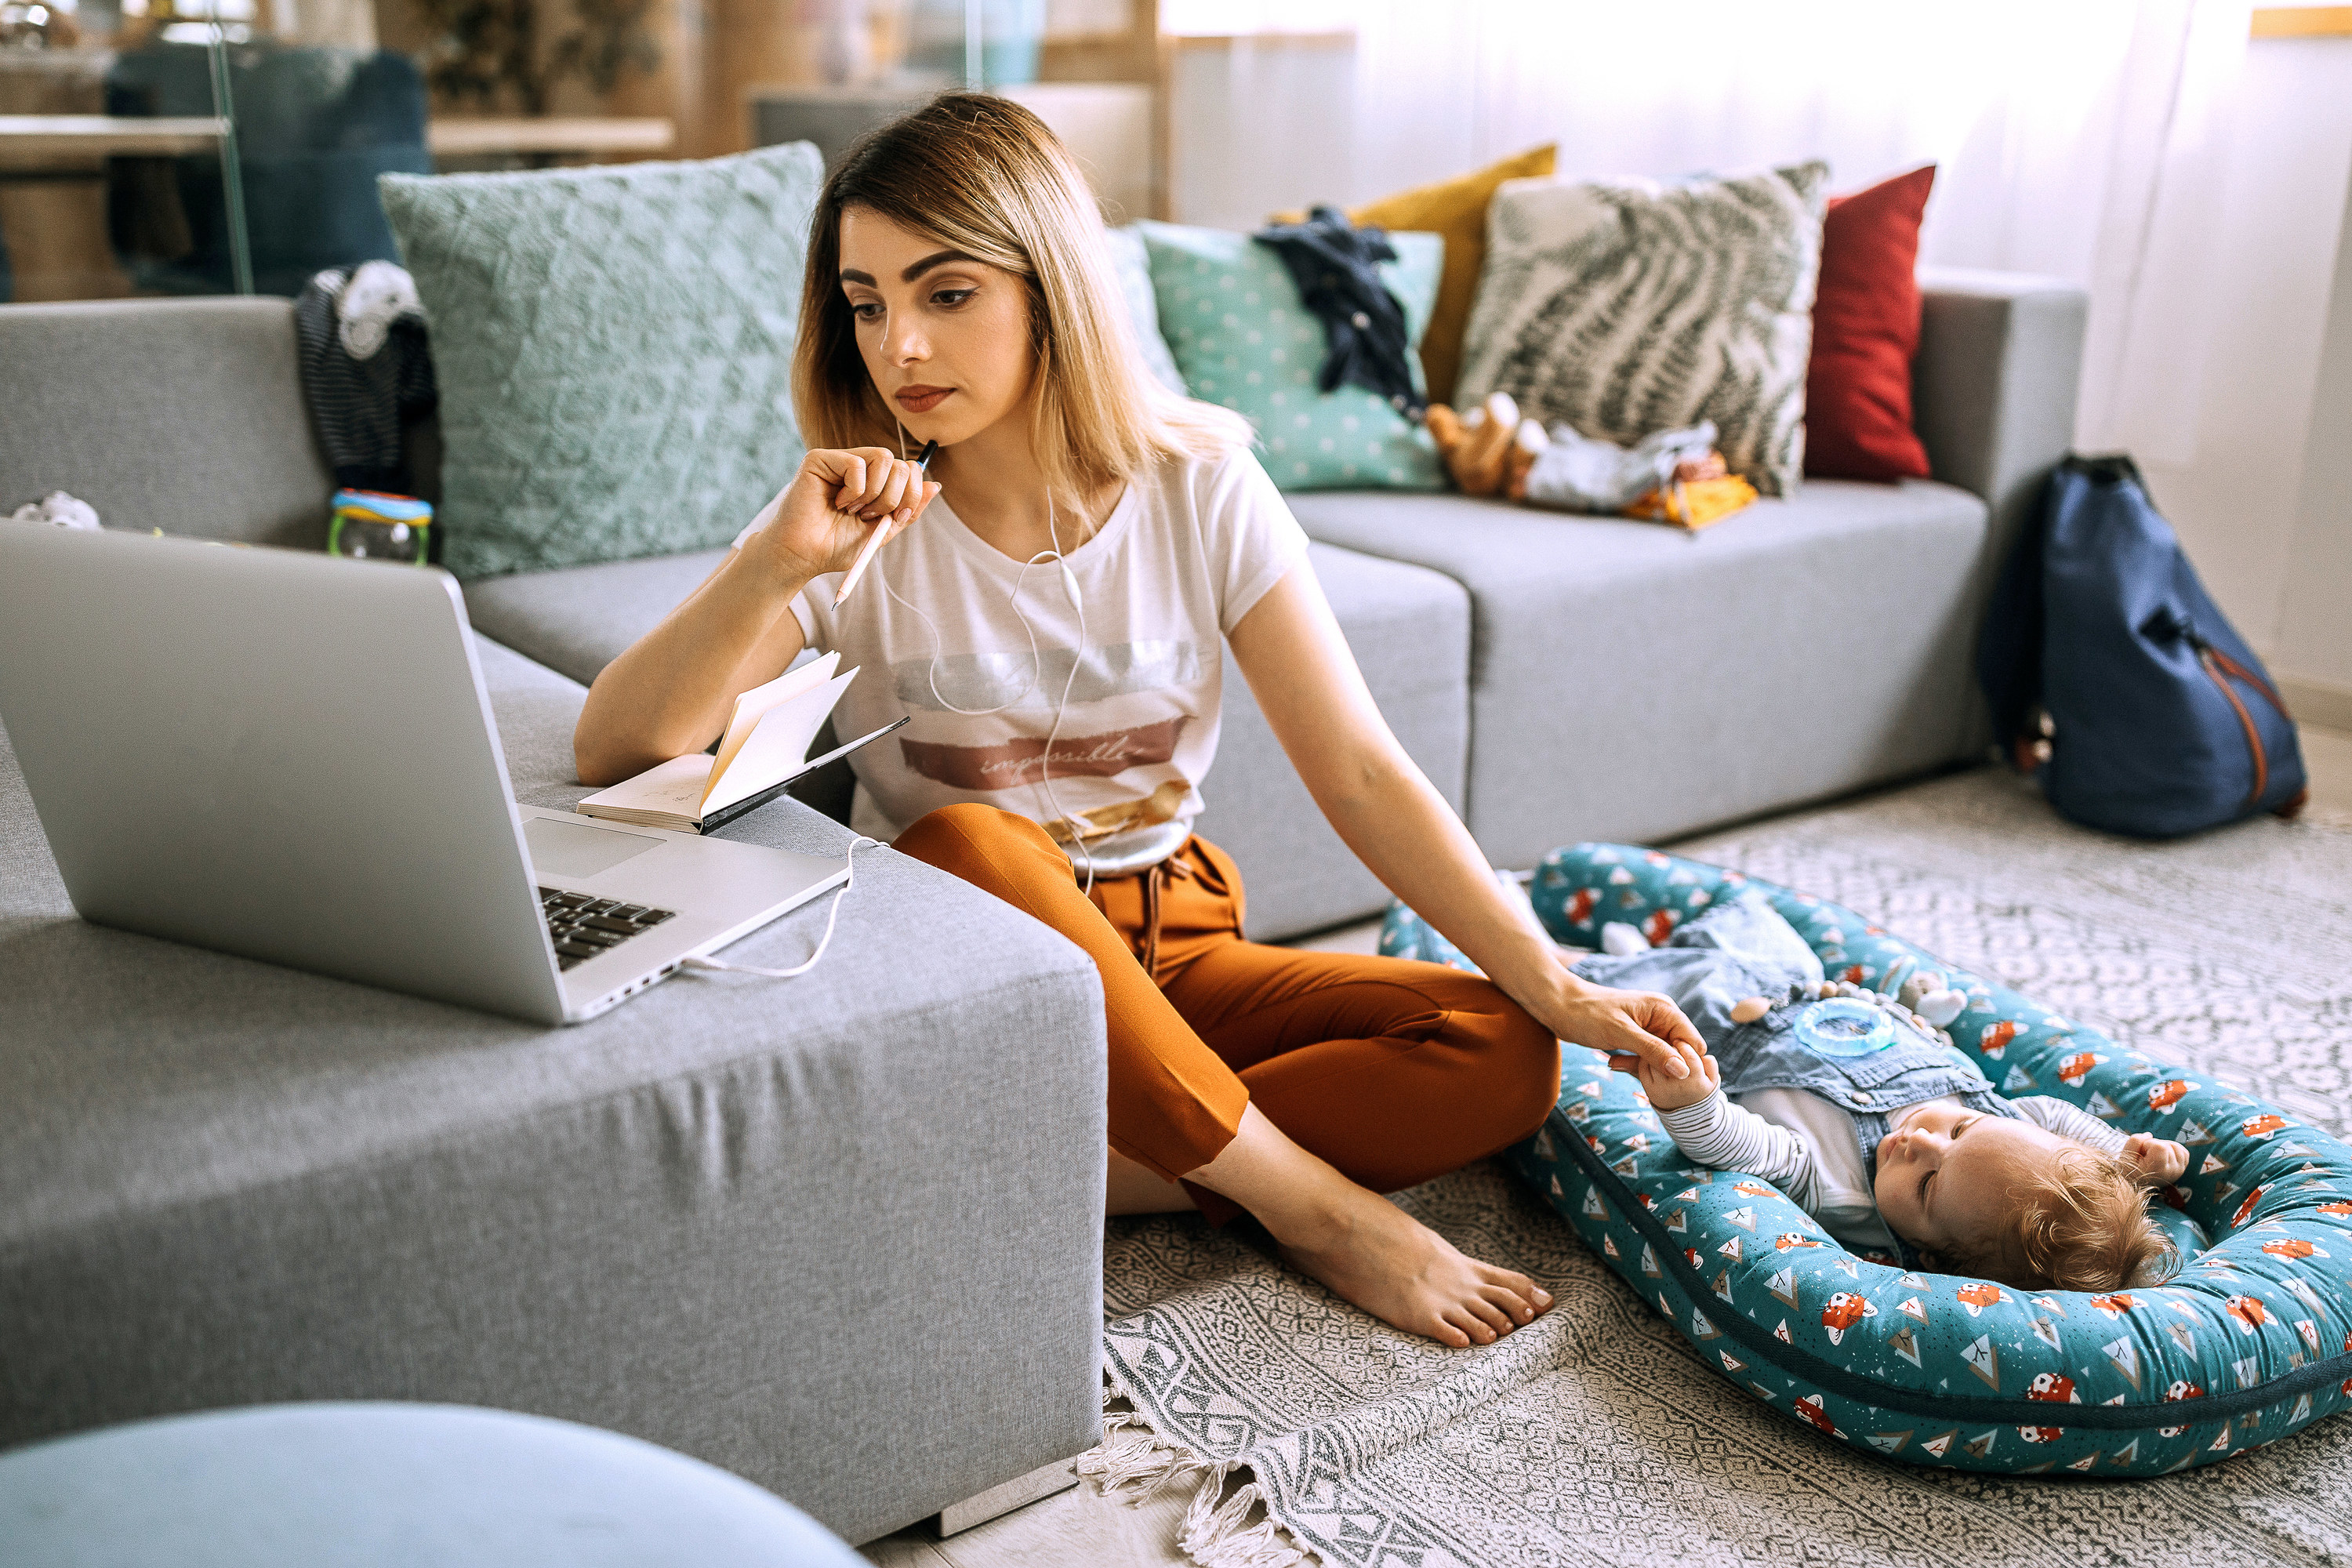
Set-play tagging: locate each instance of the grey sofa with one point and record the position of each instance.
(1563, 678)
(841, 1236)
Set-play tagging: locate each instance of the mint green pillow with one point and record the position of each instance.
(1132, 263)
(614, 351)
(1230, 315)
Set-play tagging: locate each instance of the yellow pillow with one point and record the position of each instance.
(1455, 208)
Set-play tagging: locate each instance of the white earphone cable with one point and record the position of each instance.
(830, 915)
(1046, 757)
(1036, 658)
(1045, 761)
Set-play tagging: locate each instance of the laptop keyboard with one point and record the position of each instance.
(583, 927)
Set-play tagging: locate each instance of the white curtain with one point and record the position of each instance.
(2085, 139)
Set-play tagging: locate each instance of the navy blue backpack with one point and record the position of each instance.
(2115, 677)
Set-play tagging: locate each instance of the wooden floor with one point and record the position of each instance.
(1076, 1529)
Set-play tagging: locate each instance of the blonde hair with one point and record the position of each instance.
(2082, 1224)
(983, 175)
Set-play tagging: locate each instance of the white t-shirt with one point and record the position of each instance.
(1186, 552)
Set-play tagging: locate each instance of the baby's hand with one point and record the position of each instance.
(2156, 1161)
(1671, 1093)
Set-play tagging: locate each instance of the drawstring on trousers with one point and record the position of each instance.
(1153, 880)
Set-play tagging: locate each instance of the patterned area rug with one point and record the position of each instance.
(1596, 1436)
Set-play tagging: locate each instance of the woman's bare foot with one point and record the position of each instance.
(1364, 1247)
(1405, 1274)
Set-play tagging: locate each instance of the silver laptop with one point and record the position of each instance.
(291, 757)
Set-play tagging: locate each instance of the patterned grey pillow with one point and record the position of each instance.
(1626, 306)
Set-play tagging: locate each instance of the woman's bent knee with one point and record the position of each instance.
(1513, 1058)
(946, 835)
(1518, 1061)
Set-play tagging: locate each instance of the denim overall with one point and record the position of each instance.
(1743, 948)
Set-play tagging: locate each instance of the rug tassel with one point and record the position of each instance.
(1139, 1470)
(1213, 1535)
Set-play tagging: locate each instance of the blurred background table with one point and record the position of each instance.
(547, 136)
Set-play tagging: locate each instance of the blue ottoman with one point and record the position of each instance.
(417, 1486)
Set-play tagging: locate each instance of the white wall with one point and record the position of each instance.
(2236, 502)
(2313, 643)
(1269, 125)
(1259, 127)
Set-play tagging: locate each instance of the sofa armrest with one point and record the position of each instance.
(840, 1235)
(1993, 385)
(1993, 397)
(183, 415)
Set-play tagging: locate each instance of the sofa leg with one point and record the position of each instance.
(1019, 1492)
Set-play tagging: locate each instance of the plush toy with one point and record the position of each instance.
(58, 507)
(1670, 476)
(1489, 449)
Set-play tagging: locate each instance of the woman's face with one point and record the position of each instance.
(946, 338)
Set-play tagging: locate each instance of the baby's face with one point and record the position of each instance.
(1948, 1176)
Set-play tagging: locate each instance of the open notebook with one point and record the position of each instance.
(766, 748)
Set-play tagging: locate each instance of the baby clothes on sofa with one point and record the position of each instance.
(1810, 1086)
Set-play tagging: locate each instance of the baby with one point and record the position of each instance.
(1880, 1130)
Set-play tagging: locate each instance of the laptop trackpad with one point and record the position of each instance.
(563, 849)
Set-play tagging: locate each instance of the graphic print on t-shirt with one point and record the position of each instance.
(979, 682)
(979, 650)
(1022, 760)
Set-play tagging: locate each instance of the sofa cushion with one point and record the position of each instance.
(230, 1183)
(614, 351)
(1632, 681)
(579, 619)
(183, 415)
(1131, 261)
(1865, 334)
(1626, 306)
(1232, 316)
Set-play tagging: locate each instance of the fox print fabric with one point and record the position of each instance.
(1627, 307)
(2250, 1343)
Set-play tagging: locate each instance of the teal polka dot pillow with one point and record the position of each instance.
(1230, 315)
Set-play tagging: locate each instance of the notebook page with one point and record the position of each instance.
(677, 786)
(778, 745)
(755, 705)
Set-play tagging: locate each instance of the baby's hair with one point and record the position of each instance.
(2081, 1225)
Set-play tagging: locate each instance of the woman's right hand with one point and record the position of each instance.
(817, 523)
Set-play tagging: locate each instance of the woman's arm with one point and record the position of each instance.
(1299, 667)
(669, 694)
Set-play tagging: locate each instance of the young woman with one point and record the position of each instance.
(1053, 627)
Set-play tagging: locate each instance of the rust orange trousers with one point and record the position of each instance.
(1394, 1071)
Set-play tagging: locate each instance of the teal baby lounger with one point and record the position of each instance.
(2249, 1342)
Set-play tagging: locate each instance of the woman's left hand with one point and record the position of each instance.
(1629, 1025)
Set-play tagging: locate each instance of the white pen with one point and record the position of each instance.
(882, 529)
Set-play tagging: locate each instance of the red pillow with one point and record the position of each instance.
(1865, 330)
